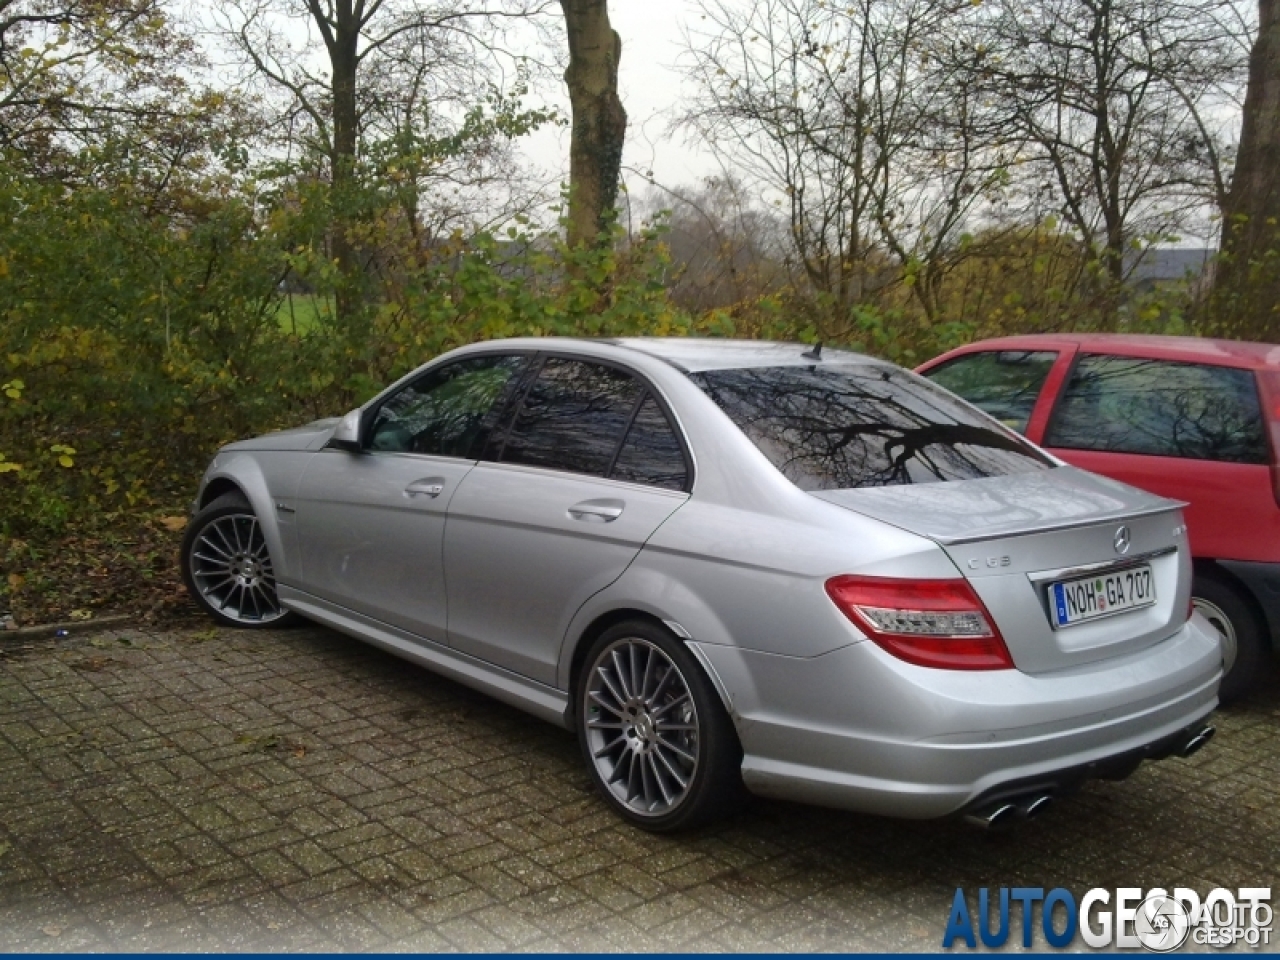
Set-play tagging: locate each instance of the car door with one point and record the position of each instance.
(371, 524)
(589, 469)
(1188, 431)
(1015, 387)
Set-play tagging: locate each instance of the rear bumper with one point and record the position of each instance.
(859, 730)
(1263, 581)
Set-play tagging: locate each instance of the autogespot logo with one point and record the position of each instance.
(1155, 919)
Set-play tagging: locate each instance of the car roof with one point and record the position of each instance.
(692, 354)
(1225, 353)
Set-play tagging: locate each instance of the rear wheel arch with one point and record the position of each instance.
(1212, 570)
(597, 627)
(1231, 598)
(628, 725)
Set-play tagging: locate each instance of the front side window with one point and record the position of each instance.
(1001, 383)
(447, 412)
(1160, 408)
(573, 417)
(865, 425)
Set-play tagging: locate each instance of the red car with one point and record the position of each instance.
(1192, 419)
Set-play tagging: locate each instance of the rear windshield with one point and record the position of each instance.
(838, 427)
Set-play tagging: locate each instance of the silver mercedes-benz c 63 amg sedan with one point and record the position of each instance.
(727, 564)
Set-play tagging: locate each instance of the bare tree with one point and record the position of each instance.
(853, 121)
(599, 121)
(726, 249)
(1111, 106)
(353, 72)
(1247, 283)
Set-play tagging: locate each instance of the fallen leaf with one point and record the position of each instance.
(16, 581)
(4, 848)
(100, 642)
(299, 751)
(264, 744)
(173, 524)
(81, 614)
(51, 931)
(96, 664)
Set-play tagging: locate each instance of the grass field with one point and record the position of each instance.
(300, 313)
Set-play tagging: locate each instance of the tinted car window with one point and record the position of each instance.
(449, 411)
(651, 452)
(837, 427)
(572, 417)
(1156, 407)
(1002, 383)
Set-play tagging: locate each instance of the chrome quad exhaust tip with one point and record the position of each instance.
(1197, 740)
(1003, 814)
(1032, 808)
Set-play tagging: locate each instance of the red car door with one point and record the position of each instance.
(1190, 432)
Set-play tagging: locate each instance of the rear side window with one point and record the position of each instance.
(651, 452)
(573, 417)
(866, 425)
(1002, 383)
(1160, 408)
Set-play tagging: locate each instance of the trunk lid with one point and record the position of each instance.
(1013, 537)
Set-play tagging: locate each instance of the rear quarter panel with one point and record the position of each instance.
(747, 579)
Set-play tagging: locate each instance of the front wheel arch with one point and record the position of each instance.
(220, 487)
(227, 568)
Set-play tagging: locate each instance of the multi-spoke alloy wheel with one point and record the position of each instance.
(642, 727)
(228, 568)
(658, 742)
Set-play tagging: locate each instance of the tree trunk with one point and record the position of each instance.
(599, 122)
(1246, 292)
(345, 138)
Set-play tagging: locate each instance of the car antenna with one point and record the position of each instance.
(815, 353)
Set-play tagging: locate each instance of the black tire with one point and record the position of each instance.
(227, 569)
(621, 725)
(1234, 615)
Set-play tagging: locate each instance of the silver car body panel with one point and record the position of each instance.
(371, 534)
(542, 701)
(964, 512)
(526, 547)
(925, 743)
(738, 565)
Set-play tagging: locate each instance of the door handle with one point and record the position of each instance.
(597, 511)
(426, 487)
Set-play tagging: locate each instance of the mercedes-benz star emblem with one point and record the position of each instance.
(1121, 540)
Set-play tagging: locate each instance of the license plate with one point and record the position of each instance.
(1101, 595)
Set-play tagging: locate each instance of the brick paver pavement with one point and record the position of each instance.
(216, 789)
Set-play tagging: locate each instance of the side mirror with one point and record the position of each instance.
(346, 435)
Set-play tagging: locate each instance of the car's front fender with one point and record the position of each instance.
(268, 484)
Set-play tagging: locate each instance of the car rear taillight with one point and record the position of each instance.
(931, 623)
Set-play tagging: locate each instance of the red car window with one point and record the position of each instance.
(1002, 383)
